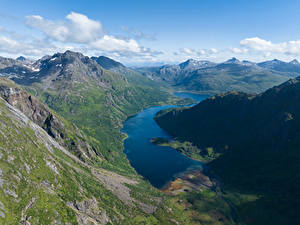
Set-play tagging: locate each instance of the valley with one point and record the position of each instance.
(154, 112)
(158, 165)
(109, 133)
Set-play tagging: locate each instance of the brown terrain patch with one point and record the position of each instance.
(190, 181)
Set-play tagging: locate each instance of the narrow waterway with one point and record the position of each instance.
(157, 164)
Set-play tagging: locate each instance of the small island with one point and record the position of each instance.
(187, 148)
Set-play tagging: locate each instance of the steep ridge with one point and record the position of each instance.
(252, 143)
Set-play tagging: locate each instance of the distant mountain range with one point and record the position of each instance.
(231, 75)
(191, 75)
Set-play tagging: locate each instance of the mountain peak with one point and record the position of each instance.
(188, 63)
(233, 60)
(191, 61)
(69, 53)
(276, 60)
(295, 62)
(21, 58)
(194, 64)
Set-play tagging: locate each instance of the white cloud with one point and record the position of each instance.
(80, 31)
(201, 52)
(188, 51)
(111, 44)
(78, 28)
(77, 32)
(239, 50)
(196, 53)
(9, 44)
(137, 34)
(35, 48)
(213, 50)
(267, 47)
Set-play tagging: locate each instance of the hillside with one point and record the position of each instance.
(51, 173)
(232, 75)
(251, 143)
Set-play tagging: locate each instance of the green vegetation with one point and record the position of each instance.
(209, 208)
(257, 141)
(95, 182)
(204, 207)
(80, 189)
(99, 113)
(43, 184)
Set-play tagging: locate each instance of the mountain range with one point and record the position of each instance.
(191, 75)
(231, 75)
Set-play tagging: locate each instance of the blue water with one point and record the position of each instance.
(157, 164)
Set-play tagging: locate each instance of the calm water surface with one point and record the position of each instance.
(157, 164)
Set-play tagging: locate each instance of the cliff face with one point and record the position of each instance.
(45, 118)
(33, 173)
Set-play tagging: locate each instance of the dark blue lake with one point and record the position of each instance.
(157, 164)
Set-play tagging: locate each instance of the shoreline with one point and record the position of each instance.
(188, 180)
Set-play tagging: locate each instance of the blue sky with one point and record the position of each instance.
(148, 32)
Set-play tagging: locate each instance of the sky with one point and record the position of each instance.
(144, 32)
